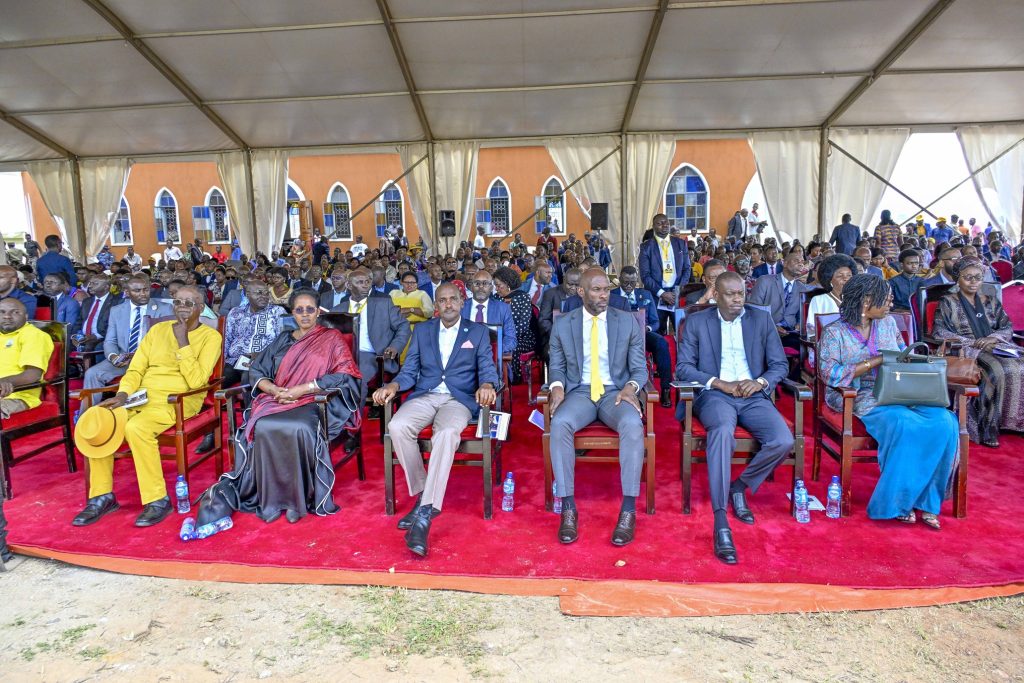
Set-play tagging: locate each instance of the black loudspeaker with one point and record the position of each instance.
(446, 220)
(599, 216)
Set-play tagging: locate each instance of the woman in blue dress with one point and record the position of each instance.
(917, 445)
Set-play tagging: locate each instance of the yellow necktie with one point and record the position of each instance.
(596, 387)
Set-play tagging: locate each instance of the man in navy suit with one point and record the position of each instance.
(736, 354)
(482, 308)
(631, 298)
(664, 267)
(436, 277)
(96, 312)
(450, 368)
(67, 310)
(772, 264)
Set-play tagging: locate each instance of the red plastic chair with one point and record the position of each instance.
(1013, 304)
(1004, 270)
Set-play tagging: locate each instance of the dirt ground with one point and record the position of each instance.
(65, 623)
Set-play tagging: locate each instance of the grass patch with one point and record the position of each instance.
(93, 652)
(62, 643)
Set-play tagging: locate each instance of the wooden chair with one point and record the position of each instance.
(348, 325)
(50, 414)
(923, 305)
(185, 430)
(497, 332)
(848, 441)
(473, 451)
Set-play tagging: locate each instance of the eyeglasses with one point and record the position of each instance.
(480, 283)
(972, 278)
(184, 303)
(304, 310)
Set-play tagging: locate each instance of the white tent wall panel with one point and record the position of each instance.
(159, 16)
(777, 39)
(971, 33)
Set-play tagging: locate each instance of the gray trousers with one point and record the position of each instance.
(720, 413)
(576, 412)
(368, 368)
(102, 374)
(449, 418)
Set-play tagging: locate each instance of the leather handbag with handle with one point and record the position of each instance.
(906, 378)
(959, 368)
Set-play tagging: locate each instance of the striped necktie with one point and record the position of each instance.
(133, 336)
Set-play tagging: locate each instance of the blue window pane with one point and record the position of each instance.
(680, 212)
(670, 200)
(499, 190)
(691, 224)
(701, 199)
(540, 226)
(166, 200)
(694, 184)
(292, 194)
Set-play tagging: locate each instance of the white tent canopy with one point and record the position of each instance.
(131, 78)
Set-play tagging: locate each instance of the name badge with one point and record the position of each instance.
(243, 363)
(669, 267)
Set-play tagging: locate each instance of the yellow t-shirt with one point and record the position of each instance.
(26, 347)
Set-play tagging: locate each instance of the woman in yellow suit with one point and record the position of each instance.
(173, 357)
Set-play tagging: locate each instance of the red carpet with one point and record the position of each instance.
(361, 544)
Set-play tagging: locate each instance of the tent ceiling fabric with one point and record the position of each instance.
(320, 72)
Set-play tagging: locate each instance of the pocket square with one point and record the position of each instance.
(466, 345)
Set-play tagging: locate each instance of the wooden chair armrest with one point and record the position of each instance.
(79, 394)
(77, 354)
(40, 384)
(176, 398)
(324, 395)
(802, 392)
(542, 395)
(968, 390)
(687, 390)
(225, 394)
(847, 392)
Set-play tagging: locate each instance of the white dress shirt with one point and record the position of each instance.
(446, 337)
(365, 345)
(172, 254)
(733, 365)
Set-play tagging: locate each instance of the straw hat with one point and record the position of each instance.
(99, 431)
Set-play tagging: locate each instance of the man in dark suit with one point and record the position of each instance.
(947, 261)
(783, 293)
(907, 281)
(450, 367)
(382, 329)
(771, 265)
(483, 308)
(735, 354)
(330, 298)
(380, 285)
(597, 369)
(630, 297)
(436, 277)
(664, 267)
(67, 310)
(53, 260)
(845, 236)
(554, 300)
(96, 312)
(538, 282)
(738, 225)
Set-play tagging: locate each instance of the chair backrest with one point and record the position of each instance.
(348, 325)
(1013, 304)
(1004, 270)
(44, 308)
(687, 311)
(905, 324)
(823, 320)
(57, 367)
(805, 302)
(925, 302)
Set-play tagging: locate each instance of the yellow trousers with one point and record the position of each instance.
(140, 432)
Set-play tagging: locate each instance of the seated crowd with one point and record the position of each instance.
(739, 310)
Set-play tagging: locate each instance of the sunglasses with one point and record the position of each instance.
(304, 310)
(184, 303)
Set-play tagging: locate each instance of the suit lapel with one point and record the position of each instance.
(576, 333)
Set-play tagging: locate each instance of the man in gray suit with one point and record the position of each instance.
(597, 368)
(783, 292)
(128, 323)
(734, 352)
(382, 329)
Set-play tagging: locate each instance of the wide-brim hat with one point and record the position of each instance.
(99, 431)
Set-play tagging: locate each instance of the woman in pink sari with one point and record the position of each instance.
(282, 462)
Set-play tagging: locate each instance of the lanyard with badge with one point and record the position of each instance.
(667, 262)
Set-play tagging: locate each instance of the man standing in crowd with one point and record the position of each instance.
(845, 236)
(664, 267)
(171, 252)
(53, 261)
(738, 225)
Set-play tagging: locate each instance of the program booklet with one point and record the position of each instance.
(499, 426)
(139, 398)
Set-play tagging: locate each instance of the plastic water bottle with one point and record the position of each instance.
(557, 505)
(509, 487)
(188, 529)
(181, 493)
(207, 530)
(835, 492)
(803, 515)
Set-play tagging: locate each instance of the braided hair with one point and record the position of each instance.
(861, 288)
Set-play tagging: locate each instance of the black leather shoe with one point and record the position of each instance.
(568, 529)
(405, 523)
(738, 503)
(625, 529)
(154, 513)
(96, 508)
(416, 536)
(666, 398)
(725, 549)
(206, 445)
(292, 516)
(352, 442)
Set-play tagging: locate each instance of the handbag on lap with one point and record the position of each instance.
(906, 378)
(959, 368)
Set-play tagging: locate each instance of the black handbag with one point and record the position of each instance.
(906, 378)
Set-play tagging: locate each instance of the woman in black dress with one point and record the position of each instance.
(506, 285)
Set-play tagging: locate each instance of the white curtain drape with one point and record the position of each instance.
(269, 189)
(56, 185)
(1005, 177)
(418, 183)
(850, 188)
(455, 176)
(648, 163)
(787, 162)
(576, 156)
(234, 180)
(103, 183)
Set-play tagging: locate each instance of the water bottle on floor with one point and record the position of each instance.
(803, 514)
(556, 506)
(509, 487)
(181, 493)
(207, 530)
(835, 492)
(188, 529)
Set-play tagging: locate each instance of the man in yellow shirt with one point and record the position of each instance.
(25, 352)
(173, 357)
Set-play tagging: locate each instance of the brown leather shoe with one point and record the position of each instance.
(624, 530)
(568, 529)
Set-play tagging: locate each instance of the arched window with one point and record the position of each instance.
(165, 215)
(501, 202)
(337, 211)
(554, 201)
(220, 229)
(121, 236)
(294, 196)
(687, 199)
(390, 211)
